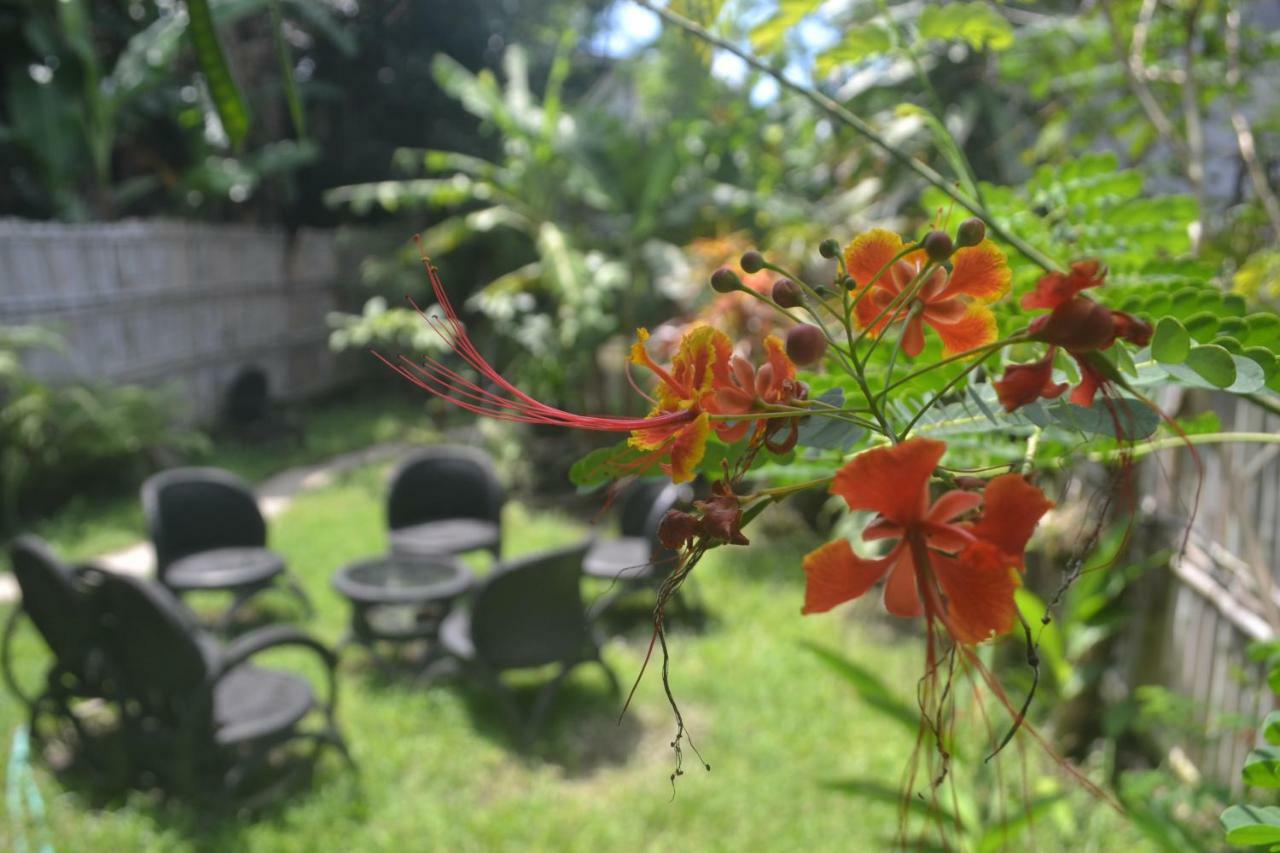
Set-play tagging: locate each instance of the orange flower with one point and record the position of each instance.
(773, 383)
(970, 570)
(1077, 324)
(700, 366)
(953, 304)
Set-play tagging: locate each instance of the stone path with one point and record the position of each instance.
(274, 497)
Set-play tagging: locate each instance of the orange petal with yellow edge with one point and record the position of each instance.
(1011, 509)
(892, 481)
(976, 328)
(869, 253)
(688, 445)
(979, 588)
(980, 271)
(834, 574)
(776, 354)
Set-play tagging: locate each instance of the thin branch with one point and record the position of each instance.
(1244, 132)
(1191, 115)
(847, 118)
(1135, 72)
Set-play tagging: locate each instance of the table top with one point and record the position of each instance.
(446, 536)
(221, 568)
(403, 579)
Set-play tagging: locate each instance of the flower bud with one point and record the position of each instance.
(829, 248)
(805, 344)
(971, 232)
(725, 280)
(786, 293)
(752, 261)
(937, 245)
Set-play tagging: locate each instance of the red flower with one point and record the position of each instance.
(774, 383)
(953, 304)
(1077, 324)
(969, 571)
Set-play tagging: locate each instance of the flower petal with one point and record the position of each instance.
(689, 444)
(869, 253)
(834, 574)
(1026, 383)
(901, 597)
(1055, 288)
(891, 480)
(1090, 381)
(952, 505)
(979, 590)
(783, 367)
(913, 337)
(1012, 507)
(975, 328)
(979, 271)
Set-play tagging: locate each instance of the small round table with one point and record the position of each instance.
(400, 597)
(224, 568)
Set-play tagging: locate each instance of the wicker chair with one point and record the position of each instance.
(526, 614)
(209, 534)
(56, 601)
(635, 559)
(199, 718)
(445, 500)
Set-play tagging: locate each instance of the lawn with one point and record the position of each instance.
(439, 771)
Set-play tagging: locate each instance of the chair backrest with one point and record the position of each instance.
(154, 645)
(529, 612)
(643, 506)
(190, 510)
(444, 482)
(57, 604)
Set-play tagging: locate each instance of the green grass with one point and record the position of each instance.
(439, 770)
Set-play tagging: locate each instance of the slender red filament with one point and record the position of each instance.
(510, 403)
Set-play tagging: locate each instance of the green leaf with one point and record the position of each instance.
(226, 95)
(768, 36)
(1171, 343)
(1213, 363)
(976, 23)
(1123, 418)
(1249, 826)
(857, 44)
(870, 688)
(285, 57)
(1271, 728)
(1262, 767)
(607, 463)
(827, 433)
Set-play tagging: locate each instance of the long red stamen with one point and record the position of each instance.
(440, 381)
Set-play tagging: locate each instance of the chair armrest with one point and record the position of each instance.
(243, 648)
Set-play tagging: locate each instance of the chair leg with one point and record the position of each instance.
(291, 583)
(614, 684)
(542, 705)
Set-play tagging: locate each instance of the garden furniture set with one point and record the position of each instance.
(194, 714)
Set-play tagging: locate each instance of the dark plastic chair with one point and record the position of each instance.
(57, 603)
(635, 558)
(198, 716)
(445, 500)
(528, 613)
(209, 534)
